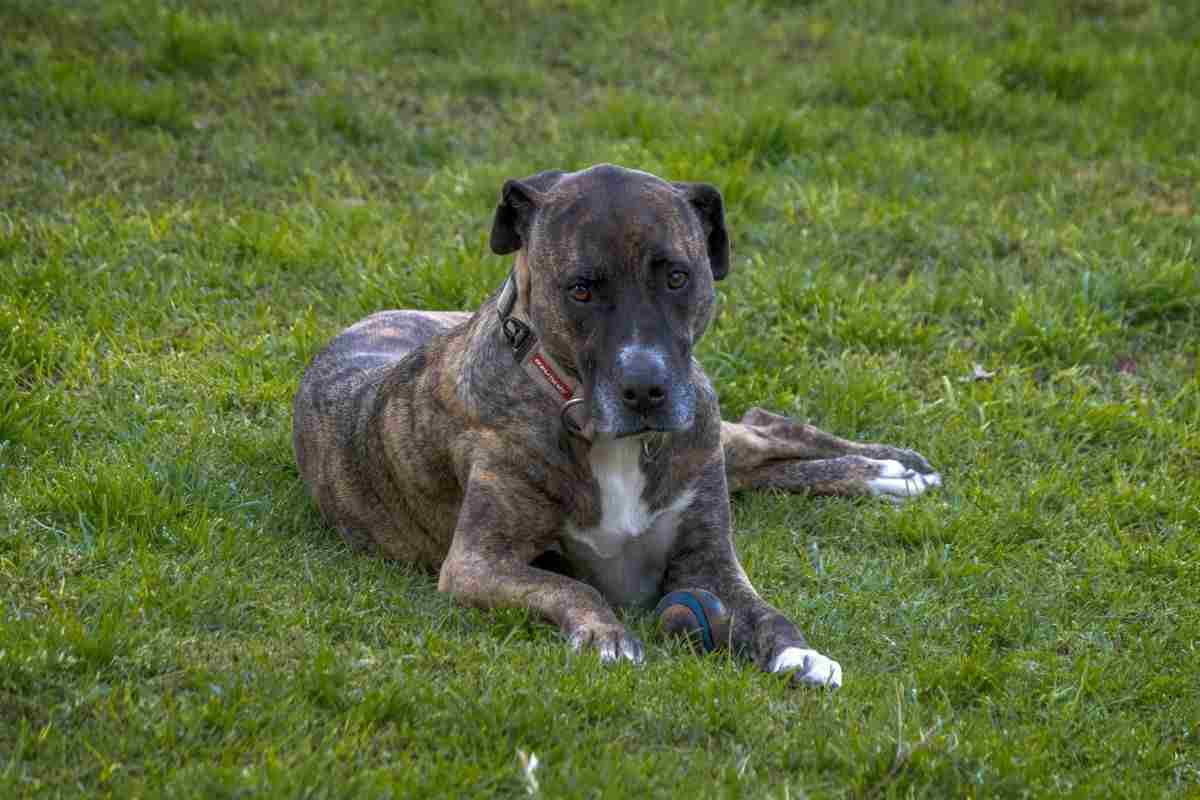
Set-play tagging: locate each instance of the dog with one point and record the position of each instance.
(561, 450)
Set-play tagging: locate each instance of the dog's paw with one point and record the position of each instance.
(896, 482)
(808, 667)
(611, 642)
(909, 458)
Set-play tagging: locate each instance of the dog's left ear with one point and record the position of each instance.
(707, 202)
(519, 200)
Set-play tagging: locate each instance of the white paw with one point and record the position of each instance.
(897, 482)
(811, 667)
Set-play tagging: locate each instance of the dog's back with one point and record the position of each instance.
(336, 397)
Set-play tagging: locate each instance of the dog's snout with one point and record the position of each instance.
(643, 397)
(643, 383)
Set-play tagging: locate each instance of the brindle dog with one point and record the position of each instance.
(560, 450)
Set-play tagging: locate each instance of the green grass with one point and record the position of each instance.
(196, 197)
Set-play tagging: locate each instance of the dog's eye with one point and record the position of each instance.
(677, 279)
(580, 293)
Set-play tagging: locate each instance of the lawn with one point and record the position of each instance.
(970, 228)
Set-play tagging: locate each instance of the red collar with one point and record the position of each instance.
(540, 366)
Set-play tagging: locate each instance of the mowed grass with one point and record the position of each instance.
(195, 197)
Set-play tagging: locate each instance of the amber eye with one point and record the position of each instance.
(677, 279)
(580, 293)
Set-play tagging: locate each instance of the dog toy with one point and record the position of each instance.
(696, 615)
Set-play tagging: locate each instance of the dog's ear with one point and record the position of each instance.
(518, 202)
(706, 201)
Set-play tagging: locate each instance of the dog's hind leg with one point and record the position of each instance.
(766, 450)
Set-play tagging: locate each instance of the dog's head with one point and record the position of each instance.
(616, 271)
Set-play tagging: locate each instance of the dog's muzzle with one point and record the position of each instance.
(642, 393)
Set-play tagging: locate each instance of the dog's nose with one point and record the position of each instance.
(643, 381)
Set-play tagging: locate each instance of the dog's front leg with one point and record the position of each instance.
(501, 529)
(766, 450)
(705, 559)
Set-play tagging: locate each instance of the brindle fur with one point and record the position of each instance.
(420, 440)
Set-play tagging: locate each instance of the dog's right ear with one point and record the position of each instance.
(519, 200)
(708, 205)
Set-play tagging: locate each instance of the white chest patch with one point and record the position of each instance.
(625, 555)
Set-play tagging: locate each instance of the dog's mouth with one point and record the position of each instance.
(624, 426)
(645, 429)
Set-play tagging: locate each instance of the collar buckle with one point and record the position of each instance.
(520, 337)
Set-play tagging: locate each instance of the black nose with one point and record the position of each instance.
(643, 381)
